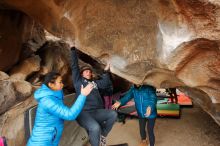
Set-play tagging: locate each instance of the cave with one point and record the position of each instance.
(162, 43)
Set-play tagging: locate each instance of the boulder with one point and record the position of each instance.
(26, 68)
(12, 123)
(7, 95)
(23, 89)
(3, 76)
(13, 92)
(20, 37)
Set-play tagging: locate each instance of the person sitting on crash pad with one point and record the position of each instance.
(145, 102)
(97, 121)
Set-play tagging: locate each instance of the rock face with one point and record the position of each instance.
(158, 42)
(25, 68)
(12, 123)
(7, 95)
(12, 92)
(55, 56)
(20, 36)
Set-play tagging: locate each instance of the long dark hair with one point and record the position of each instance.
(50, 77)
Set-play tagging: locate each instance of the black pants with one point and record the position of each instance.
(150, 129)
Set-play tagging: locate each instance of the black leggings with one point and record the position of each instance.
(150, 129)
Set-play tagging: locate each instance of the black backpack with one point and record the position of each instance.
(29, 118)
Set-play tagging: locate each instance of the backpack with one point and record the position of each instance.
(29, 118)
(3, 141)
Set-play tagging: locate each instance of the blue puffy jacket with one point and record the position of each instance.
(51, 113)
(144, 96)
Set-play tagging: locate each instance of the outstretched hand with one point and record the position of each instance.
(70, 42)
(107, 67)
(86, 90)
(116, 105)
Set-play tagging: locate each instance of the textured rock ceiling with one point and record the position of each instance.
(165, 43)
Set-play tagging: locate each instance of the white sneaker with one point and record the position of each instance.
(103, 141)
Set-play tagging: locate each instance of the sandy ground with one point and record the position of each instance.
(194, 128)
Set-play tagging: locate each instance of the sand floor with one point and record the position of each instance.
(194, 128)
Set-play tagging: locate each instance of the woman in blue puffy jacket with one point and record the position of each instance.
(145, 102)
(51, 111)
